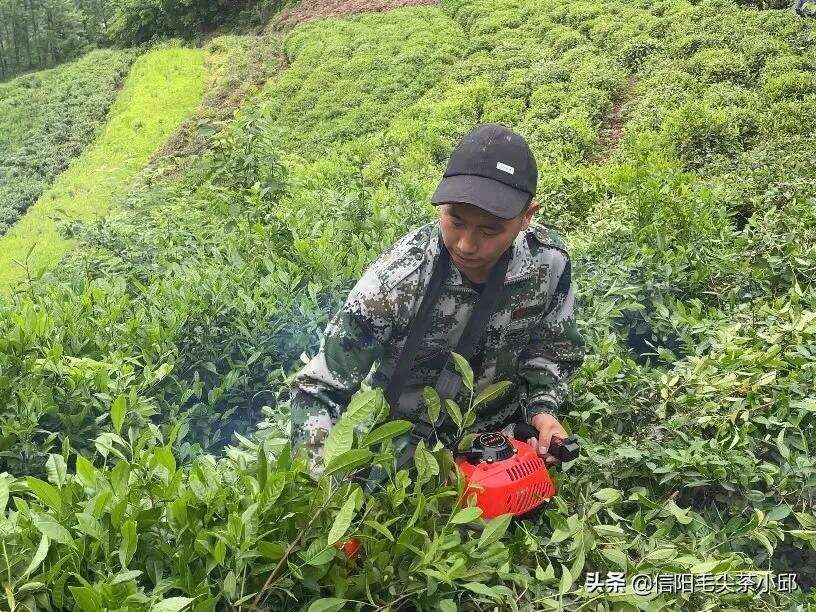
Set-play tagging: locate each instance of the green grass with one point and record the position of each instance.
(163, 87)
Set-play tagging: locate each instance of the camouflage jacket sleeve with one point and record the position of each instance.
(555, 351)
(354, 338)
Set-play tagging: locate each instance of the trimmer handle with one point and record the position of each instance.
(564, 449)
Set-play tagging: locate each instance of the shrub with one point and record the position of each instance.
(714, 65)
(698, 132)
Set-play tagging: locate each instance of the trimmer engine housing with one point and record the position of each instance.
(506, 475)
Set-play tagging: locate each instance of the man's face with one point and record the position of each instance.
(476, 239)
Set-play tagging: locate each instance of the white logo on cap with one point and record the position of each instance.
(505, 167)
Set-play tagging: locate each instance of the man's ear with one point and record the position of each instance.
(528, 214)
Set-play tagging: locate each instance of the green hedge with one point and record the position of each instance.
(47, 118)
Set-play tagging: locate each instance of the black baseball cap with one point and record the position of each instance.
(493, 168)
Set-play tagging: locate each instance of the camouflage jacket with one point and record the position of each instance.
(531, 338)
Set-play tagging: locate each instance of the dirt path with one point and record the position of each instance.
(613, 125)
(318, 9)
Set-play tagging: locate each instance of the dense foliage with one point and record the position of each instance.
(47, 119)
(40, 34)
(176, 328)
(138, 21)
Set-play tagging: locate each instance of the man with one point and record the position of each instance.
(486, 205)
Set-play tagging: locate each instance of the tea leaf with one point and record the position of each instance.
(386, 431)
(494, 530)
(39, 555)
(464, 369)
(46, 493)
(171, 604)
(492, 392)
(433, 403)
(57, 469)
(343, 519)
(118, 411)
(327, 604)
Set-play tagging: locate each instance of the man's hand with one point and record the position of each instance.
(547, 426)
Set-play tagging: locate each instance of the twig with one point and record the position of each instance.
(289, 550)
(400, 598)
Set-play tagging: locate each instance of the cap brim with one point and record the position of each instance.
(490, 195)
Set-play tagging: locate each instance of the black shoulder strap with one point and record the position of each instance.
(449, 382)
(419, 326)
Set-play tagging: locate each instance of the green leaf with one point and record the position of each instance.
(86, 598)
(318, 553)
(341, 436)
(464, 369)
(126, 576)
(763, 539)
(118, 411)
(327, 604)
(127, 547)
(349, 460)
(85, 471)
(4, 492)
(466, 515)
(386, 431)
(547, 575)
(466, 443)
(39, 555)
(120, 477)
(481, 589)
(47, 526)
(263, 468)
(343, 519)
(704, 568)
(566, 581)
(433, 402)
(446, 605)
(56, 469)
(46, 493)
(219, 552)
(271, 550)
(425, 462)
(492, 392)
(453, 410)
(104, 444)
(616, 556)
(779, 513)
(494, 530)
(172, 604)
(30, 587)
(89, 525)
(681, 515)
(607, 495)
(380, 528)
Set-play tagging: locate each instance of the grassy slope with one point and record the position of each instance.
(162, 89)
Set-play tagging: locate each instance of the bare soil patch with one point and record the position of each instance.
(613, 125)
(319, 9)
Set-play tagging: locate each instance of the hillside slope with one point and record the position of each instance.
(164, 87)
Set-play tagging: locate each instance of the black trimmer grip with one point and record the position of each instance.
(564, 449)
(524, 431)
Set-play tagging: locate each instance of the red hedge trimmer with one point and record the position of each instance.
(505, 473)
